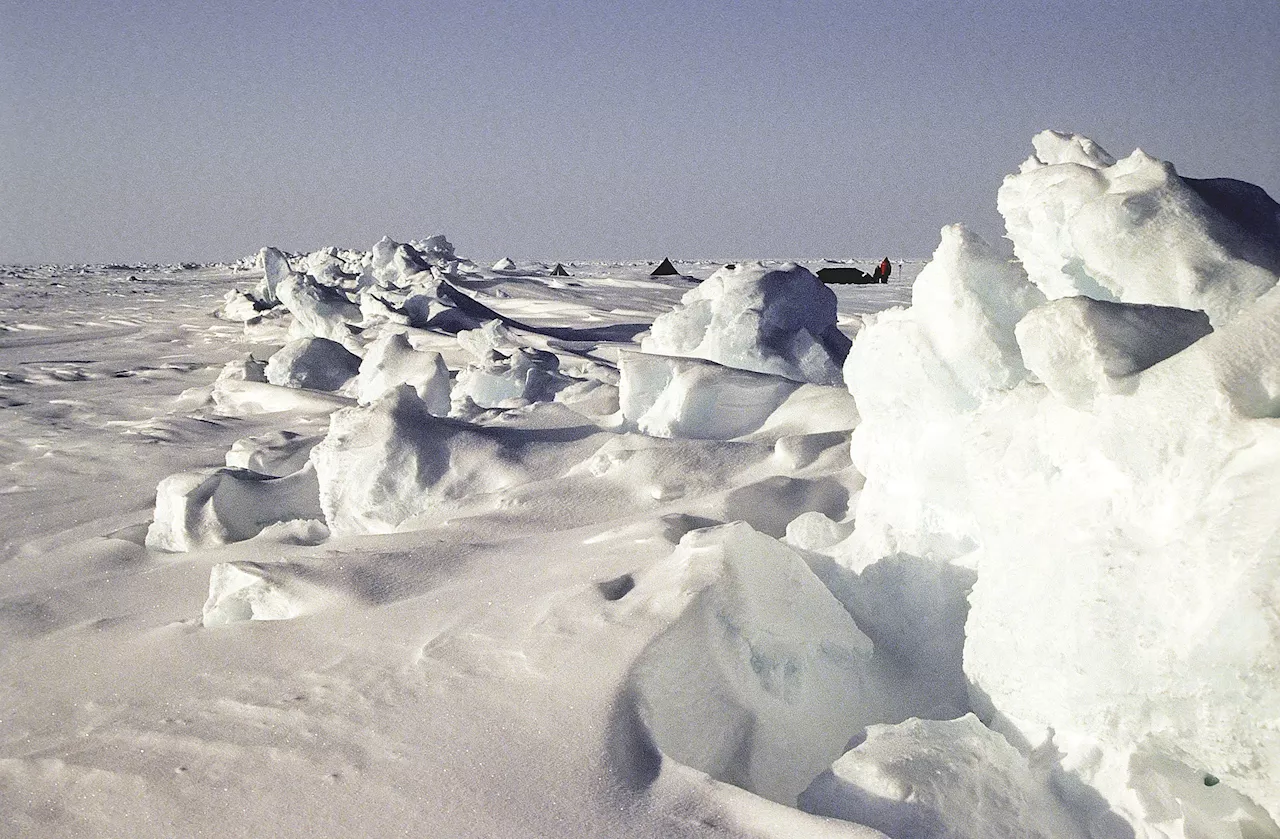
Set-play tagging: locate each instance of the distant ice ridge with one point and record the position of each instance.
(1093, 431)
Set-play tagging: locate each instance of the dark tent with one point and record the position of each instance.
(843, 276)
(559, 271)
(666, 269)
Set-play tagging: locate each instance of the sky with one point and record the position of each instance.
(170, 130)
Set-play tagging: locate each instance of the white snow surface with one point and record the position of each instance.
(494, 553)
(458, 655)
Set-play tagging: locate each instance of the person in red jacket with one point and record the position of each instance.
(883, 270)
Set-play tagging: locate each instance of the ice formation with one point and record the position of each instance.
(205, 509)
(1080, 347)
(391, 361)
(1056, 511)
(1106, 467)
(242, 591)
(314, 363)
(521, 377)
(277, 454)
(669, 396)
(946, 779)
(1133, 231)
(762, 677)
(771, 320)
(381, 465)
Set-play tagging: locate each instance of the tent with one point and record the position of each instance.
(666, 269)
(559, 271)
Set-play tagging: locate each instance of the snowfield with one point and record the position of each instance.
(392, 543)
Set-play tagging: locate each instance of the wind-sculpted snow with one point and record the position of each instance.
(1133, 231)
(771, 320)
(384, 464)
(200, 510)
(762, 677)
(951, 779)
(391, 361)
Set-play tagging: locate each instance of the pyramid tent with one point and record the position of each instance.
(559, 271)
(666, 269)
(504, 264)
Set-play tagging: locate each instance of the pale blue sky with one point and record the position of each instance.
(575, 130)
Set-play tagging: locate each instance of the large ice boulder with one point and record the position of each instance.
(1117, 505)
(761, 678)
(214, 507)
(319, 311)
(1081, 347)
(314, 363)
(1133, 231)
(780, 321)
(383, 464)
(1139, 539)
(391, 361)
(909, 370)
(945, 779)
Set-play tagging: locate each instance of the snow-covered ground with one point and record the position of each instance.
(393, 543)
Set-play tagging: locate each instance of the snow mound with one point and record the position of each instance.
(780, 321)
(205, 509)
(504, 264)
(244, 591)
(391, 361)
(315, 364)
(277, 454)
(246, 396)
(522, 377)
(761, 678)
(383, 464)
(952, 779)
(667, 396)
(1133, 231)
(1080, 347)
